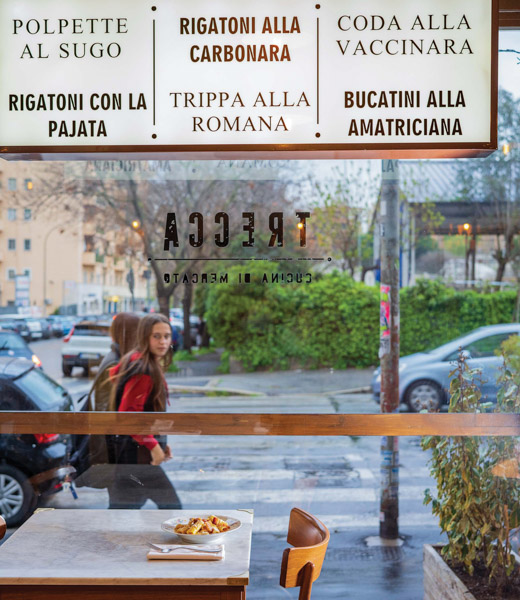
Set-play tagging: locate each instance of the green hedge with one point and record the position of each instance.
(432, 314)
(334, 321)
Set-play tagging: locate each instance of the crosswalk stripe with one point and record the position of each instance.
(264, 475)
(291, 495)
(180, 451)
(276, 524)
(343, 522)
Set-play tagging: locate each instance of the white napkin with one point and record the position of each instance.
(186, 552)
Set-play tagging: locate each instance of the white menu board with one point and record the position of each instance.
(238, 76)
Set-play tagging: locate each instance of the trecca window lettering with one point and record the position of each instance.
(221, 238)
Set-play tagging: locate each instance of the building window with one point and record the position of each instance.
(11, 244)
(11, 214)
(27, 244)
(27, 273)
(28, 184)
(88, 243)
(11, 274)
(27, 214)
(11, 184)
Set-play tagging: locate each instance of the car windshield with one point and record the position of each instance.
(468, 338)
(8, 341)
(44, 391)
(91, 329)
(462, 340)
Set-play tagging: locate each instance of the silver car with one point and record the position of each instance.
(424, 376)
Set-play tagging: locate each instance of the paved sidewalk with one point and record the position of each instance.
(202, 373)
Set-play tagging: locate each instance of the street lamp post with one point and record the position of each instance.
(45, 265)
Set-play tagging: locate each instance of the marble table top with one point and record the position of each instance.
(108, 547)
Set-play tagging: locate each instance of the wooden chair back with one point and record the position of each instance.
(3, 527)
(301, 565)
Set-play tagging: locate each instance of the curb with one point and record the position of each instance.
(240, 392)
(204, 390)
(361, 390)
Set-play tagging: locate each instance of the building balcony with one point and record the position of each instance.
(89, 259)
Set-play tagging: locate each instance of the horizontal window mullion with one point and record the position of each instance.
(260, 424)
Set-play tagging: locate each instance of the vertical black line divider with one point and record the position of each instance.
(153, 69)
(318, 71)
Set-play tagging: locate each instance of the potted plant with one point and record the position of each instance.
(477, 505)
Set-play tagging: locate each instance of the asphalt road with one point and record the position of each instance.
(49, 352)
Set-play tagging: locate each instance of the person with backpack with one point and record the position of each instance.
(139, 386)
(89, 455)
(123, 332)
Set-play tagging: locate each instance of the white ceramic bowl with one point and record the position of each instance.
(194, 538)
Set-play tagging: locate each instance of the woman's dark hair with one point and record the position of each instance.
(147, 362)
(123, 331)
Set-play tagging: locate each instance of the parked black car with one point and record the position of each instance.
(13, 345)
(30, 465)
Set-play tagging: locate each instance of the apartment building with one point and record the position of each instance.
(54, 254)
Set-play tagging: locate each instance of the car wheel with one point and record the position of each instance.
(67, 369)
(17, 497)
(424, 395)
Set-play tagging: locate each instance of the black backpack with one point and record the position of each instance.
(88, 453)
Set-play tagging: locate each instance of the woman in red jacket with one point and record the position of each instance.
(139, 386)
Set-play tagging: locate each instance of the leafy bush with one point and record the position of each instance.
(334, 321)
(433, 314)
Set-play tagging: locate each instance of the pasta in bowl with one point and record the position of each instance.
(204, 529)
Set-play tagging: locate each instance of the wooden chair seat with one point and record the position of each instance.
(301, 565)
(3, 527)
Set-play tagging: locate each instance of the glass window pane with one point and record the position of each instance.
(11, 342)
(272, 314)
(488, 346)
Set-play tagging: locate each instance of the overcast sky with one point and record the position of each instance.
(509, 62)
